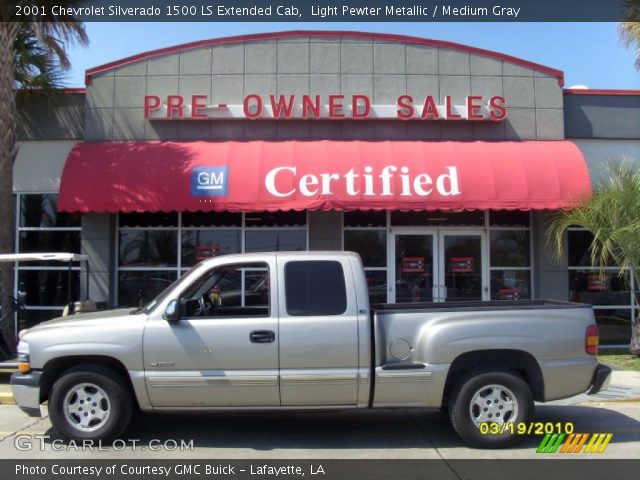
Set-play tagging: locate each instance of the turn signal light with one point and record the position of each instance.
(24, 367)
(591, 340)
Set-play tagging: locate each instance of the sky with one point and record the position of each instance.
(590, 54)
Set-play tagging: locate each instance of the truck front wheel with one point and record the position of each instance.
(90, 403)
(485, 408)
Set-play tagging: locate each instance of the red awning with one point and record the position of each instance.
(322, 175)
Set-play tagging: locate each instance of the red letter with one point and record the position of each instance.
(247, 110)
(473, 107)
(282, 106)
(335, 106)
(430, 109)
(196, 106)
(450, 113)
(175, 102)
(405, 107)
(151, 102)
(366, 103)
(309, 107)
(497, 108)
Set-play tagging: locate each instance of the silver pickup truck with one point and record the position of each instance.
(278, 331)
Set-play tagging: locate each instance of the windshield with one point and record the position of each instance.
(148, 308)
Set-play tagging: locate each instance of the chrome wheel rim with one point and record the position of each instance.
(493, 404)
(86, 407)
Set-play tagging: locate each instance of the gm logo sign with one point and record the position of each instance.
(209, 181)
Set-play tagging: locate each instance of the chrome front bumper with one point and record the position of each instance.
(26, 392)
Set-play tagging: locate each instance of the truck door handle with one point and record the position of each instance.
(262, 336)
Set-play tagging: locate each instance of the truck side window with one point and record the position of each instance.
(315, 288)
(240, 290)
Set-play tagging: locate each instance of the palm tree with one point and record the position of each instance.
(32, 55)
(612, 215)
(630, 28)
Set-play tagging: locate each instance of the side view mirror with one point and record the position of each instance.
(172, 312)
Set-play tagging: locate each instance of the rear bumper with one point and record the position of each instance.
(26, 392)
(601, 379)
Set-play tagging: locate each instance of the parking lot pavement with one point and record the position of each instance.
(382, 434)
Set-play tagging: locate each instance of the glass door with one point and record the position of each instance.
(437, 266)
(462, 266)
(412, 270)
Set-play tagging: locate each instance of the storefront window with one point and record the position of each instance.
(161, 219)
(44, 240)
(370, 244)
(609, 292)
(198, 245)
(275, 240)
(208, 219)
(365, 233)
(510, 248)
(139, 287)
(154, 248)
(45, 287)
(509, 218)
(276, 219)
(146, 248)
(41, 211)
(596, 288)
(510, 255)
(365, 219)
(614, 325)
(510, 284)
(437, 218)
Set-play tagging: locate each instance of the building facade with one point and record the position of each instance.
(439, 163)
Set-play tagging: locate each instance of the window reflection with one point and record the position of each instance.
(137, 288)
(614, 326)
(510, 248)
(198, 245)
(148, 248)
(275, 240)
(48, 287)
(371, 245)
(42, 211)
(510, 284)
(589, 286)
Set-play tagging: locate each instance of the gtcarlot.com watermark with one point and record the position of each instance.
(26, 443)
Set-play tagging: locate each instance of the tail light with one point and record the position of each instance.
(591, 340)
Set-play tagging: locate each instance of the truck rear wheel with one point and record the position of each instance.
(485, 408)
(90, 403)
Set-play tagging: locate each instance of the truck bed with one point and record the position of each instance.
(479, 306)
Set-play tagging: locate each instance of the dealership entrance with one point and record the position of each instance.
(432, 265)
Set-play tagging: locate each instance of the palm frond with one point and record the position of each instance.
(612, 215)
(629, 29)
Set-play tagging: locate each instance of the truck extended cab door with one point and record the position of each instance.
(318, 332)
(223, 352)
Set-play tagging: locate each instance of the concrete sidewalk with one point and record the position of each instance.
(624, 387)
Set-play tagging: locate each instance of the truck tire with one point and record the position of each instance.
(90, 403)
(497, 398)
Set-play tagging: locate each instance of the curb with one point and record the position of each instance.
(621, 400)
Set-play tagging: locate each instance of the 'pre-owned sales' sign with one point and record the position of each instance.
(333, 107)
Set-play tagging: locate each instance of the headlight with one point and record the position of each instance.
(23, 357)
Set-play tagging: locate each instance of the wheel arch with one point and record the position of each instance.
(518, 361)
(56, 367)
